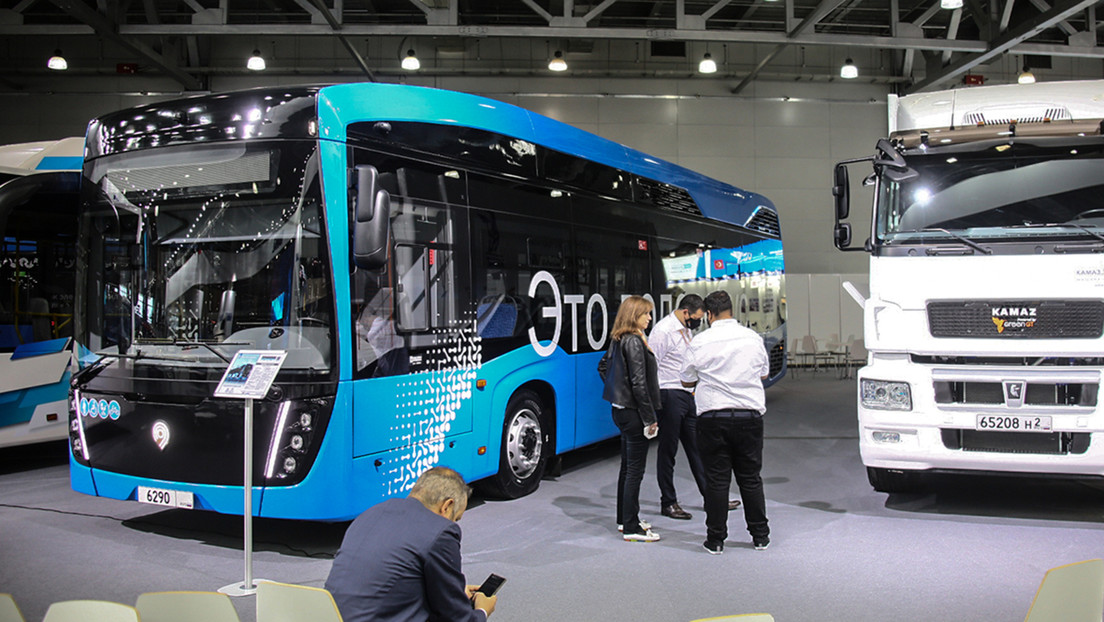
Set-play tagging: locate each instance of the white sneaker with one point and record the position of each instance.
(643, 525)
(647, 536)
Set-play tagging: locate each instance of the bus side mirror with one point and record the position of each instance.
(371, 220)
(842, 192)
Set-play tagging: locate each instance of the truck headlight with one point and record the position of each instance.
(885, 395)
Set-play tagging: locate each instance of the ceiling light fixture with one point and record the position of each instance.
(950, 4)
(707, 64)
(411, 62)
(255, 62)
(1026, 77)
(557, 63)
(57, 62)
(849, 70)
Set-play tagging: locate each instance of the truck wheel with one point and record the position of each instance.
(892, 480)
(526, 445)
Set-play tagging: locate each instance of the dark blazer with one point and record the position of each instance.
(401, 562)
(632, 376)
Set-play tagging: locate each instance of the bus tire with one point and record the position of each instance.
(526, 445)
(892, 480)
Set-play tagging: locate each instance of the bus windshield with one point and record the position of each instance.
(997, 191)
(189, 254)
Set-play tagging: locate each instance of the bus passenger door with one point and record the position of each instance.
(413, 356)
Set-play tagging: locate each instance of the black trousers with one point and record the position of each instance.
(634, 455)
(732, 446)
(677, 421)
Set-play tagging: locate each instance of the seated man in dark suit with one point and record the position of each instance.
(400, 559)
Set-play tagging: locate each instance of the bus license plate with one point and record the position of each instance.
(170, 498)
(1013, 423)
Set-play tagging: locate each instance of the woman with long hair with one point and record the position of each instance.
(632, 387)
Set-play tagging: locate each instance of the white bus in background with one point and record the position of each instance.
(39, 190)
(986, 308)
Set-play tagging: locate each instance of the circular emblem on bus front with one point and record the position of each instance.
(161, 434)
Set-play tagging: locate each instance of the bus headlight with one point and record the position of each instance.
(296, 434)
(885, 395)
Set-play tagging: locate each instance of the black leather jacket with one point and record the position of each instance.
(632, 376)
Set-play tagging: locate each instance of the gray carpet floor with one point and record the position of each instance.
(972, 548)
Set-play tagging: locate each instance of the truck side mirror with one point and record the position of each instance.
(842, 191)
(371, 220)
(842, 235)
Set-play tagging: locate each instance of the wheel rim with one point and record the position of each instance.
(523, 443)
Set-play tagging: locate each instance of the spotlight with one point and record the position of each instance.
(1026, 77)
(411, 62)
(707, 64)
(849, 70)
(950, 4)
(57, 62)
(255, 62)
(557, 63)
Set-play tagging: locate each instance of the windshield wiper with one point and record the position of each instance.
(961, 238)
(1088, 230)
(189, 344)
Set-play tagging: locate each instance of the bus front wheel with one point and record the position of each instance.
(525, 447)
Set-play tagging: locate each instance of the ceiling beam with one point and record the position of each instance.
(110, 30)
(631, 34)
(336, 27)
(1005, 42)
(823, 9)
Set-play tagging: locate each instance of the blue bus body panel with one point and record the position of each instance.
(17, 407)
(38, 348)
(340, 105)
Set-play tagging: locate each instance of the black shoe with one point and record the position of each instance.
(761, 542)
(675, 511)
(733, 504)
(713, 547)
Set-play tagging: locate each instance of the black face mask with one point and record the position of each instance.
(692, 323)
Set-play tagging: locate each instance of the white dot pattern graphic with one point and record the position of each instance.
(429, 401)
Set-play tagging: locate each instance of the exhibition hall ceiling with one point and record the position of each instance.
(914, 45)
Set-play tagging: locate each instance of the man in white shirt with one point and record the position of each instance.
(677, 416)
(727, 364)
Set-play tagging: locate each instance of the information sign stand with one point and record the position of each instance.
(248, 377)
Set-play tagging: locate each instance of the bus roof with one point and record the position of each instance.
(48, 155)
(351, 103)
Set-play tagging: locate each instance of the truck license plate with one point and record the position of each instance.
(169, 498)
(1013, 423)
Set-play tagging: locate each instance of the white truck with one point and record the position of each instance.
(986, 309)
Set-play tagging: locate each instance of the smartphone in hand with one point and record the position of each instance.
(491, 584)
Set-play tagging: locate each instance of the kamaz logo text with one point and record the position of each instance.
(1014, 318)
(1018, 312)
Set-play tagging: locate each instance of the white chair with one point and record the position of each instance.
(809, 350)
(856, 356)
(90, 611)
(1071, 593)
(791, 359)
(9, 612)
(284, 602)
(186, 607)
(746, 617)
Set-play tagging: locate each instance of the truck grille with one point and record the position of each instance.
(777, 356)
(1035, 394)
(1017, 319)
(1051, 443)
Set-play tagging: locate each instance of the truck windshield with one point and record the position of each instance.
(994, 191)
(188, 254)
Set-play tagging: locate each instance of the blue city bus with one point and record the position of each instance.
(39, 192)
(441, 269)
